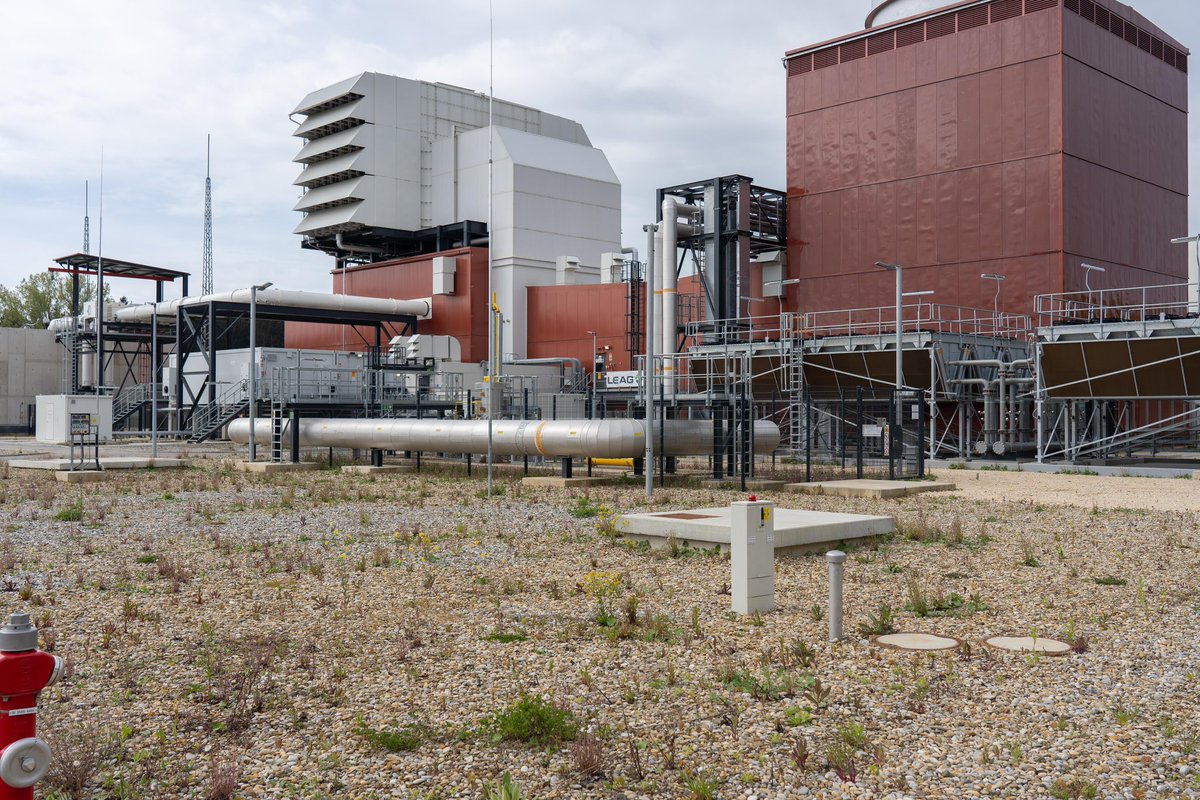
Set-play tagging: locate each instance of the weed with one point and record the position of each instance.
(1074, 789)
(503, 789)
(72, 513)
(1028, 555)
(222, 779)
(817, 613)
(797, 716)
(1109, 580)
(842, 760)
(853, 734)
(878, 624)
(587, 755)
(400, 740)
(505, 637)
(817, 694)
(535, 721)
(77, 753)
(699, 786)
(800, 752)
(1124, 716)
(583, 508)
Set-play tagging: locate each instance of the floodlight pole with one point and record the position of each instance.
(899, 270)
(252, 385)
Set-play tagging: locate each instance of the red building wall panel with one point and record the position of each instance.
(561, 316)
(1018, 144)
(462, 315)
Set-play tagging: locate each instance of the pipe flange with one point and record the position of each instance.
(24, 762)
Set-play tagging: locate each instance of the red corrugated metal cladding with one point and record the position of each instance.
(462, 315)
(1001, 137)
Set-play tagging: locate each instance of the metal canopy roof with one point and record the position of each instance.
(88, 264)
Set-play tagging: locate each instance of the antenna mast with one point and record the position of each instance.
(86, 222)
(206, 282)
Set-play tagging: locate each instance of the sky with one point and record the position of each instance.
(672, 92)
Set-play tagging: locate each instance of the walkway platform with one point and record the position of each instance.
(872, 488)
(795, 530)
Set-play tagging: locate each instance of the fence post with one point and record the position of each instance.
(858, 449)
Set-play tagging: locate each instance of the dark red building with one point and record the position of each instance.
(1019, 137)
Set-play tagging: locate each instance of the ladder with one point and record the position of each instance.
(276, 429)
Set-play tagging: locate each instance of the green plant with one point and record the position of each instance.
(878, 624)
(918, 603)
(400, 740)
(1074, 789)
(1109, 580)
(583, 508)
(535, 721)
(817, 613)
(1124, 716)
(505, 637)
(1028, 555)
(797, 716)
(503, 789)
(600, 586)
(72, 513)
(699, 786)
(842, 759)
(854, 734)
(817, 694)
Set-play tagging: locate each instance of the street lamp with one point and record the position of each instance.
(252, 386)
(899, 270)
(1193, 272)
(999, 279)
(593, 335)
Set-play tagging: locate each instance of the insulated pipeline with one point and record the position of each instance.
(606, 438)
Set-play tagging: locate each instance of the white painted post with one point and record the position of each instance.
(836, 560)
(752, 556)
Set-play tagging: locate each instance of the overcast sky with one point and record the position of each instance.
(671, 92)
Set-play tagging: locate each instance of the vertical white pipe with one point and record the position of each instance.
(670, 252)
(652, 305)
(836, 560)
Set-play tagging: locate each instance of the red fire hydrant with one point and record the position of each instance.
(24, 672)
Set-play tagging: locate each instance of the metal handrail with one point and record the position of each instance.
(920, 316)
(233, 396)
(1117, 306)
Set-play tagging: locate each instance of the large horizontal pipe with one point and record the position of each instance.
(383, 306)
(604, 438)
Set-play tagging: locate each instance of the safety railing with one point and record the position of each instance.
(915, 317)
(1137, 304)
(233, 396)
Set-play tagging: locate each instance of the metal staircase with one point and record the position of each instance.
(130, 399)
(208, 419)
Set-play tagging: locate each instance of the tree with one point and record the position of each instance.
(40, 297)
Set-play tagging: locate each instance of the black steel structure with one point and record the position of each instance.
(370, 245)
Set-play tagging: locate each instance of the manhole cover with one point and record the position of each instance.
(686, 515)
(915, 641)
(1028, 644)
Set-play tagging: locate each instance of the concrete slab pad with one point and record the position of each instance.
(367, 469)
(795, 529)
(1027, 644)
(558, 482)
(107, 462)
(270, 467)
(873, 488)
(81, 476)
(908, 640)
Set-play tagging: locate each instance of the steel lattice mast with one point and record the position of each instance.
(206, 282)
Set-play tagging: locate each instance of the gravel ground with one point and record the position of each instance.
(267, 632)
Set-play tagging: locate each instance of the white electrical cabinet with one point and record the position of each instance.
(54, 416)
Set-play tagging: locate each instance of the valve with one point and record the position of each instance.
(24, 672)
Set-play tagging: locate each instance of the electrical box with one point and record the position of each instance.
(57, 414)
(752, 556)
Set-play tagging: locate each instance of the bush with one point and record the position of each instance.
(401, 740)
(534, 721)
(72, 513)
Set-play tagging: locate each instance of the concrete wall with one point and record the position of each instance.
(31, 363)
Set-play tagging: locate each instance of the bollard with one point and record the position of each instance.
(24, 672)
(752, 556)
(836, 559)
